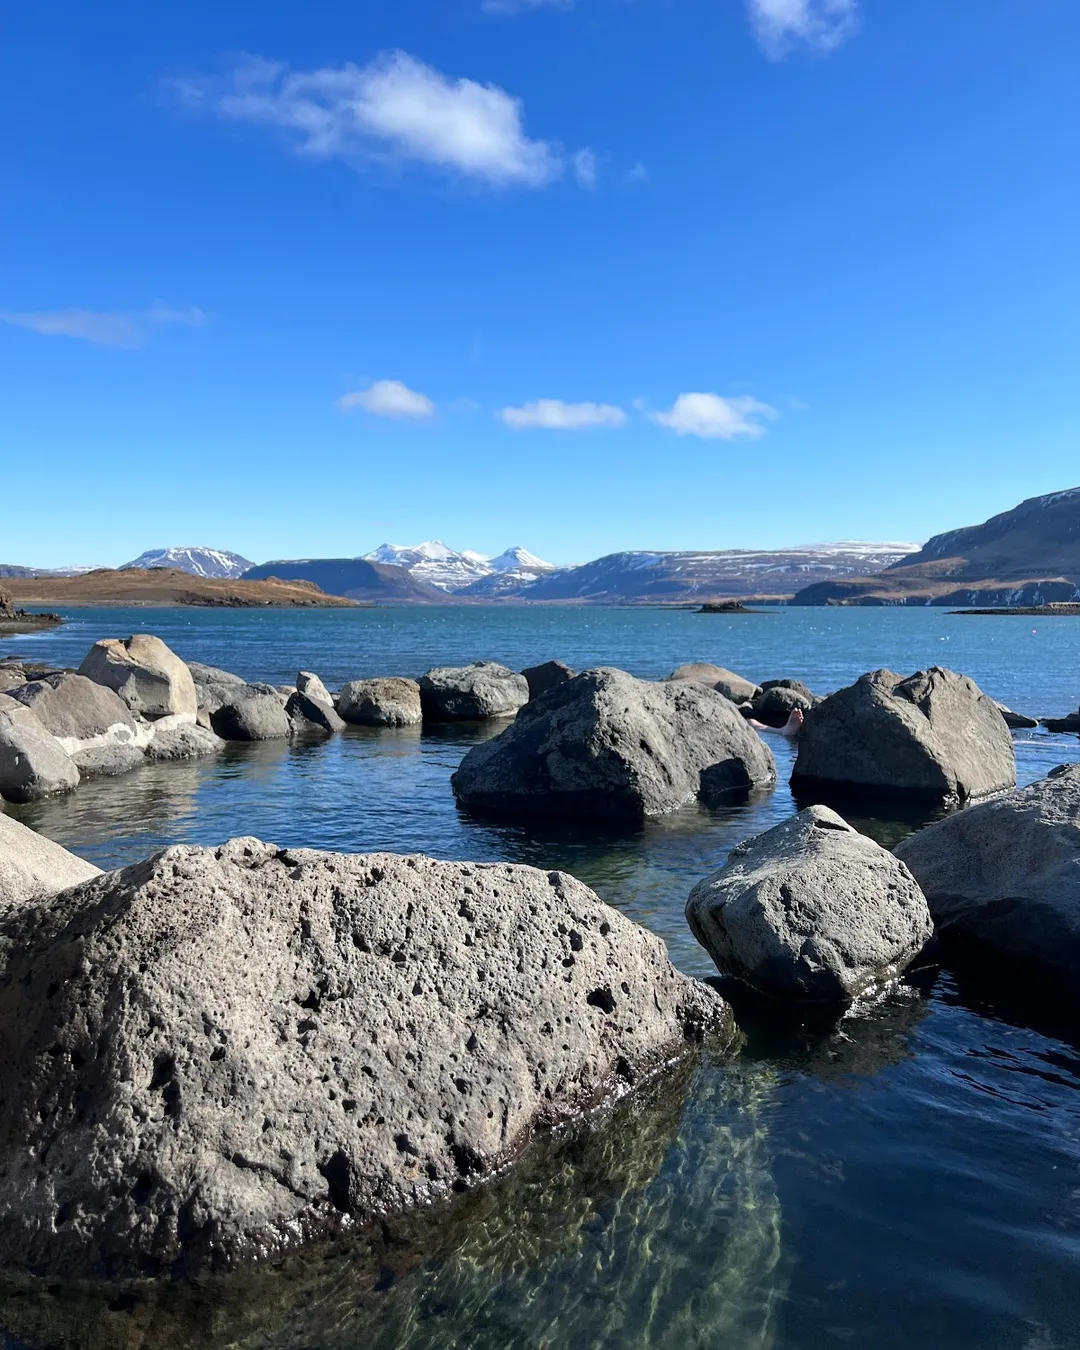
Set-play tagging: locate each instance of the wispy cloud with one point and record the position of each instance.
(389, 398)
(553, 414)
(585, 168)
(520, 6)
(820, 24)
(396, 109)
(715, 418)
(104, 329)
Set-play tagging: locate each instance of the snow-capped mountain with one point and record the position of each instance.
(450, 570)
(200, 562)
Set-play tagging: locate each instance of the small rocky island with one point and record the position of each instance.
(17, 620)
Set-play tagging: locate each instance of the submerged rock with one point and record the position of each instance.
(544, 677)
(607, 744)
(148, 676)
(108, 760)
(387, 702)
(1005, 875)
(934, 735)
(32, 866)
(726, 682)
(81, 714)
(223, 1052)
(33, 763)
(472, 693)
(778, 699)
(811, 909)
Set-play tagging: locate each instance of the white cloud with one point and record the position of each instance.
(389, 398)
(714, 418)
(585, 168)
(638, 174)
(553, 414)
(821, 24)
(395, 109)
(104, 329)
(520, 6)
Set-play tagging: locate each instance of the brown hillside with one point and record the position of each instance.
(165, 586)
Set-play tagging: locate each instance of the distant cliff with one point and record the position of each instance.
(1027, 556)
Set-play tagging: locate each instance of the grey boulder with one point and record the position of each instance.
(224, 1052)
(81, 714)
(387, 702)
(258, 716)
(183, 742)
(726, 682)
(108, 760)
(811, 909)
(546, 676)
(213, 688)
(472, 693)
(933, 736)
(309, 714)
(1018, 721)
(607, 744)
(1068, 725)
(33, 763)
(148, 676)
(307, 683)
(1005, 875)
(32, 866)
(778, 699)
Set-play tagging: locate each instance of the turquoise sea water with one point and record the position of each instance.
(908, 1177)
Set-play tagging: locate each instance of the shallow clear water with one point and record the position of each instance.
(910, 1177)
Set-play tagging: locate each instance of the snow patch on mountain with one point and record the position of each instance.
(199, 562)
(454, 571)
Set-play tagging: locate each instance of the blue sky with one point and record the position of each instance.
(295, 279)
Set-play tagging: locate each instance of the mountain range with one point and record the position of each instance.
(1029, 555)
(438, 565)
(199, 562)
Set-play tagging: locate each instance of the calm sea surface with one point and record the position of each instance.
(909, 1177)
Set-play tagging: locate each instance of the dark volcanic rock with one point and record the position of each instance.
(309, 714)
(778, 699)
(811, 909)
(606, 744)
(257, 716)
(1017, 721)
(472, 693)
(934, 735)
(32, 866)
(387, 702)
(1005, 875)
(108, 760)
(1069, 724)
(222, 1052)
(544, 677)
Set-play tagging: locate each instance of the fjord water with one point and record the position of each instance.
(907, 1177)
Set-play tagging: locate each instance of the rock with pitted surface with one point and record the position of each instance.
(607, 744)
(183, 742)
(81, 714)
(472, 693)
(307, 683)
(258, 715)
(304, 1042)
(312, 715)
(32, 866)
(108, 760)
(33, 763)
(544, 677)
(932, 736)
(725, 682)
(387, 702)
(1004, 876)
(148, 676)
(811, 909)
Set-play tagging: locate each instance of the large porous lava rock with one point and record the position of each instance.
(811, 909)
(33, 763)
(81, 714)
(308, 714)
(778, 699)
(933, 736)
(472, 693)
(546, 676)
(148, 676)
(386, 702)
(1005, 875)
(217, 1053)
(726, 682)
(607, 744)
(32, 866)
(257, 714)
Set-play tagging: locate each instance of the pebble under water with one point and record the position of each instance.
(908, 1176)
